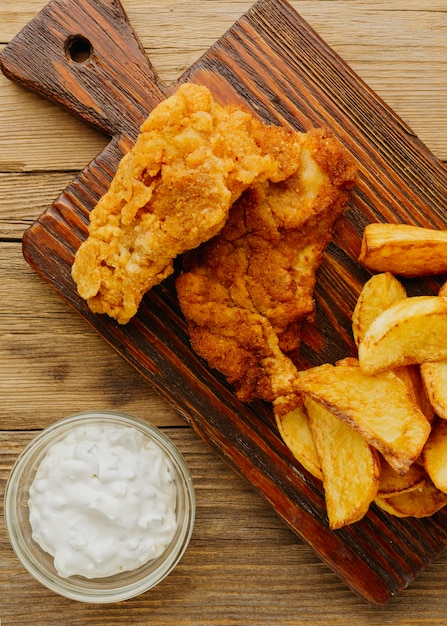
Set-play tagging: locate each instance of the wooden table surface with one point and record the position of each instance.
(243, 565)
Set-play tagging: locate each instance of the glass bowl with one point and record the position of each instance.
(40, 564)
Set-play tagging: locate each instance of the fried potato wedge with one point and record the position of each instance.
(411, 377)
(409, 331)
(295, 432)
(350, 466)
(434, 378)
(348, 360)
(422, 502)
(434, 455)
(378, 293)
(404, 250)
(393, 484)
(378, 407)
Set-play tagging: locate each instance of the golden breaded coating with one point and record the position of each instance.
(235, 340)
(246, 292)
(172, 191)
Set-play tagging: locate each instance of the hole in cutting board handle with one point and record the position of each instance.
(78, 49)
(104, 70)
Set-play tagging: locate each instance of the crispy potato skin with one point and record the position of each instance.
(409, 332)
(422, 502)
(350, 466)
(404, 250)
(378, 293)
(434, 455)
(434, 377)
(378, 407)
(295, 431)
(393, 484)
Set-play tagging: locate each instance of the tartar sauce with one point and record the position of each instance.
(103, 501)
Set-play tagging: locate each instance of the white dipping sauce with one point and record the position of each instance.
(103, 501)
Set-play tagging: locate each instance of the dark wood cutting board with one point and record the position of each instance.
(84, 55)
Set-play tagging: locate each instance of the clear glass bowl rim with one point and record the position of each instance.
(110, 589)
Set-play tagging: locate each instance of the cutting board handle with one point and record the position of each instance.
(78, 53)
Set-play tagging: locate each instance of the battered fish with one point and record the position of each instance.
(172, 191)
(246, 292)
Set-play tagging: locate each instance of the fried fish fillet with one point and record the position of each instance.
(193, 158)
(246, 292)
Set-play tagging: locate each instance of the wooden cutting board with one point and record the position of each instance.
(84, 55)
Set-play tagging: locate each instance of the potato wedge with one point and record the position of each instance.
(295, 432)
(350, 466)
(412, 330)
(393, 484)
(378, 293)
(434, 378)
(434, 455)
(404, 250)
(348, 360)
(411, 377)
(378, 407)
(422, 502)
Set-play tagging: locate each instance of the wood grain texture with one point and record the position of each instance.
(329, 615)
(243, 567)
(397, 47)
(256, 63)
(51, 364)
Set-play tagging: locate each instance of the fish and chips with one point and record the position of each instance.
(251, 208)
